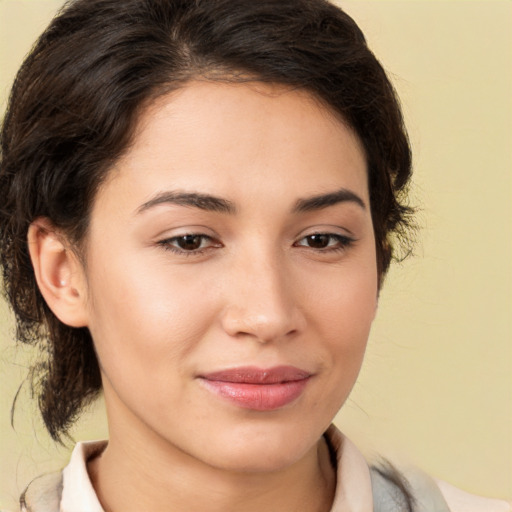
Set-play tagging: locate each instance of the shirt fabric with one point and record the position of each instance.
(359, 489)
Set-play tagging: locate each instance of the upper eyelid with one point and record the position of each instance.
(336, 231)
(327, 233)
(179, 232)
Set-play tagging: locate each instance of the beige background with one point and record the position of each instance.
(436, 388)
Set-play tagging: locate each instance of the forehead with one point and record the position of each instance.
(239, 139)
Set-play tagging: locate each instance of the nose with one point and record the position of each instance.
(262, 302)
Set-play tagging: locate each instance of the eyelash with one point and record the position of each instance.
(342, 243)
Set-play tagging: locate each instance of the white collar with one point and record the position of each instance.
(78, 494)
(353, 481)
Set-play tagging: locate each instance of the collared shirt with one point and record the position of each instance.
(353, 488)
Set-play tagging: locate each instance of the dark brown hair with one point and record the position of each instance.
(76, 100)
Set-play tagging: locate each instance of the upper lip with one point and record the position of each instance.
(255, 375)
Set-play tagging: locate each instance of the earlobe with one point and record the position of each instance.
(58, 272)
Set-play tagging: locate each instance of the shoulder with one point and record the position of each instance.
(43, 494)
(412, 489)
(69, 489)
(395, 489)
(425, 487)
(403, 489)
(462, 501)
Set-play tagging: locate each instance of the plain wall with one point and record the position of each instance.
(435, 389)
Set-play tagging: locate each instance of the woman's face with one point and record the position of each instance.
(231, 275)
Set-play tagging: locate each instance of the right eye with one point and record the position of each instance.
(325, 242)
(189, 244)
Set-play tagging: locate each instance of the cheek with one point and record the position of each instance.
(145, 325)
(351, 309)
(342, 311)
(345, 299)
(142, 319)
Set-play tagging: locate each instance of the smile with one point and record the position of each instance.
(258, 389)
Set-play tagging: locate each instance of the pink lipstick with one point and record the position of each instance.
(258, 389)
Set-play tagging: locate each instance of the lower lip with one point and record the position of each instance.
(258, 397)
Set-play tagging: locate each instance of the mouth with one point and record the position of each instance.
(258, 389)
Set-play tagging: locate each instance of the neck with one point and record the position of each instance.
(134, 475)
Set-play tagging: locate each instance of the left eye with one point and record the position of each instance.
(324, 241)
(189, 243)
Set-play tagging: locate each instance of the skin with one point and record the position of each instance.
(256, 292)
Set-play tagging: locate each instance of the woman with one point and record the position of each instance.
(210, 192)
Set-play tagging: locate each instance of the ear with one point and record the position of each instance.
(59, 273)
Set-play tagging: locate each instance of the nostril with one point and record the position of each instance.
(263, 328)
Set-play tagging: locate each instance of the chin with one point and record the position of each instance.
(258, 461)
(261, 452)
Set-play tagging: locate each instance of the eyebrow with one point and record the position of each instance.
(318, 202)
(192, 199)
(211, 203)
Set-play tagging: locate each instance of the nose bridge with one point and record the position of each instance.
(262, 302)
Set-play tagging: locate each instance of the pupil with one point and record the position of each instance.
(318, 241)
(189, 242)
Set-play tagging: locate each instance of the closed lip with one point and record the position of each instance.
(259, 389)
(255, 375)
